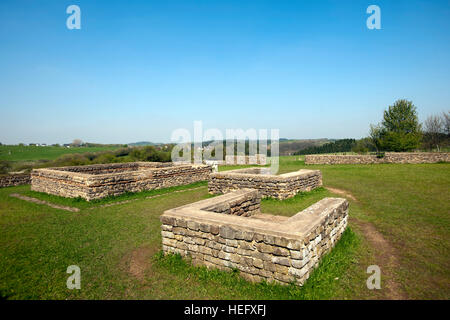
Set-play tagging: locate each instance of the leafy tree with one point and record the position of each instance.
(399, 130)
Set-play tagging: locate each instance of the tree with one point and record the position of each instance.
(77, 142)
(400, 129)
(434, 129)
(363, 146)
(446, 122)
(375, 134)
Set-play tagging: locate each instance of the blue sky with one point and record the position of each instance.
(137, 70)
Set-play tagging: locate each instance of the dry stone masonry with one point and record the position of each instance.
(102, 180)
(228, 232)
(389, 157)
(276, 186)
(9, 180)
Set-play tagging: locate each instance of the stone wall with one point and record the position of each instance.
(244, 205)
(99, 181)
(276, 186)
(9, 180)
(389, 157)
(114, 167)
(259, 159)
(284, 250)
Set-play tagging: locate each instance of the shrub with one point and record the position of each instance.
(5, 167)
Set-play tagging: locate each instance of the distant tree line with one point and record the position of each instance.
(343, 145)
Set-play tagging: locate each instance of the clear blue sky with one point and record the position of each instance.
(137, 70)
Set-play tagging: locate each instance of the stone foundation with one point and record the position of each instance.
(9, 180)
(102, 180)
(389, 157)
(227, 232)
(276, 186)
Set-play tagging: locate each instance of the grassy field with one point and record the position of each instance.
(118, 247)
(33, 153)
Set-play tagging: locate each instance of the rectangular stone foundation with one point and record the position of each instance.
(276, 186)
(279, 249)
(102, 180)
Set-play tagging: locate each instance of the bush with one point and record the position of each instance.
(5, 166)
(363, 146)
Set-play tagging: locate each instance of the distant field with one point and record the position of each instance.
(32, 153)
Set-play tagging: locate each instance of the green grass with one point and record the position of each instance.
(295, 204)
(34, 153)
(408, 204)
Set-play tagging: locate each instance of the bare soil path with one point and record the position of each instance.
(386, 256)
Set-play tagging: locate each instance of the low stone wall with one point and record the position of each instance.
(114, 167)
(389, 157)
(259, 159)
(9, 180)
(99, 181)
(276, 186)
(282, 250)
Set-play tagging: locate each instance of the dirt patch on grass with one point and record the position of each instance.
(138, 262)
(342, 192)
(385, 258)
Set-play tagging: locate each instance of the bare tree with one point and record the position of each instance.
(434, 127)
(446, 121)
(77, 142)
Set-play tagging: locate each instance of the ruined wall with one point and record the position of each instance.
(90, 184)
(276, 186)
(260, 159)
(245, 205)
(282, 252)
(390, 157)
(9, 180)
(114, 167)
